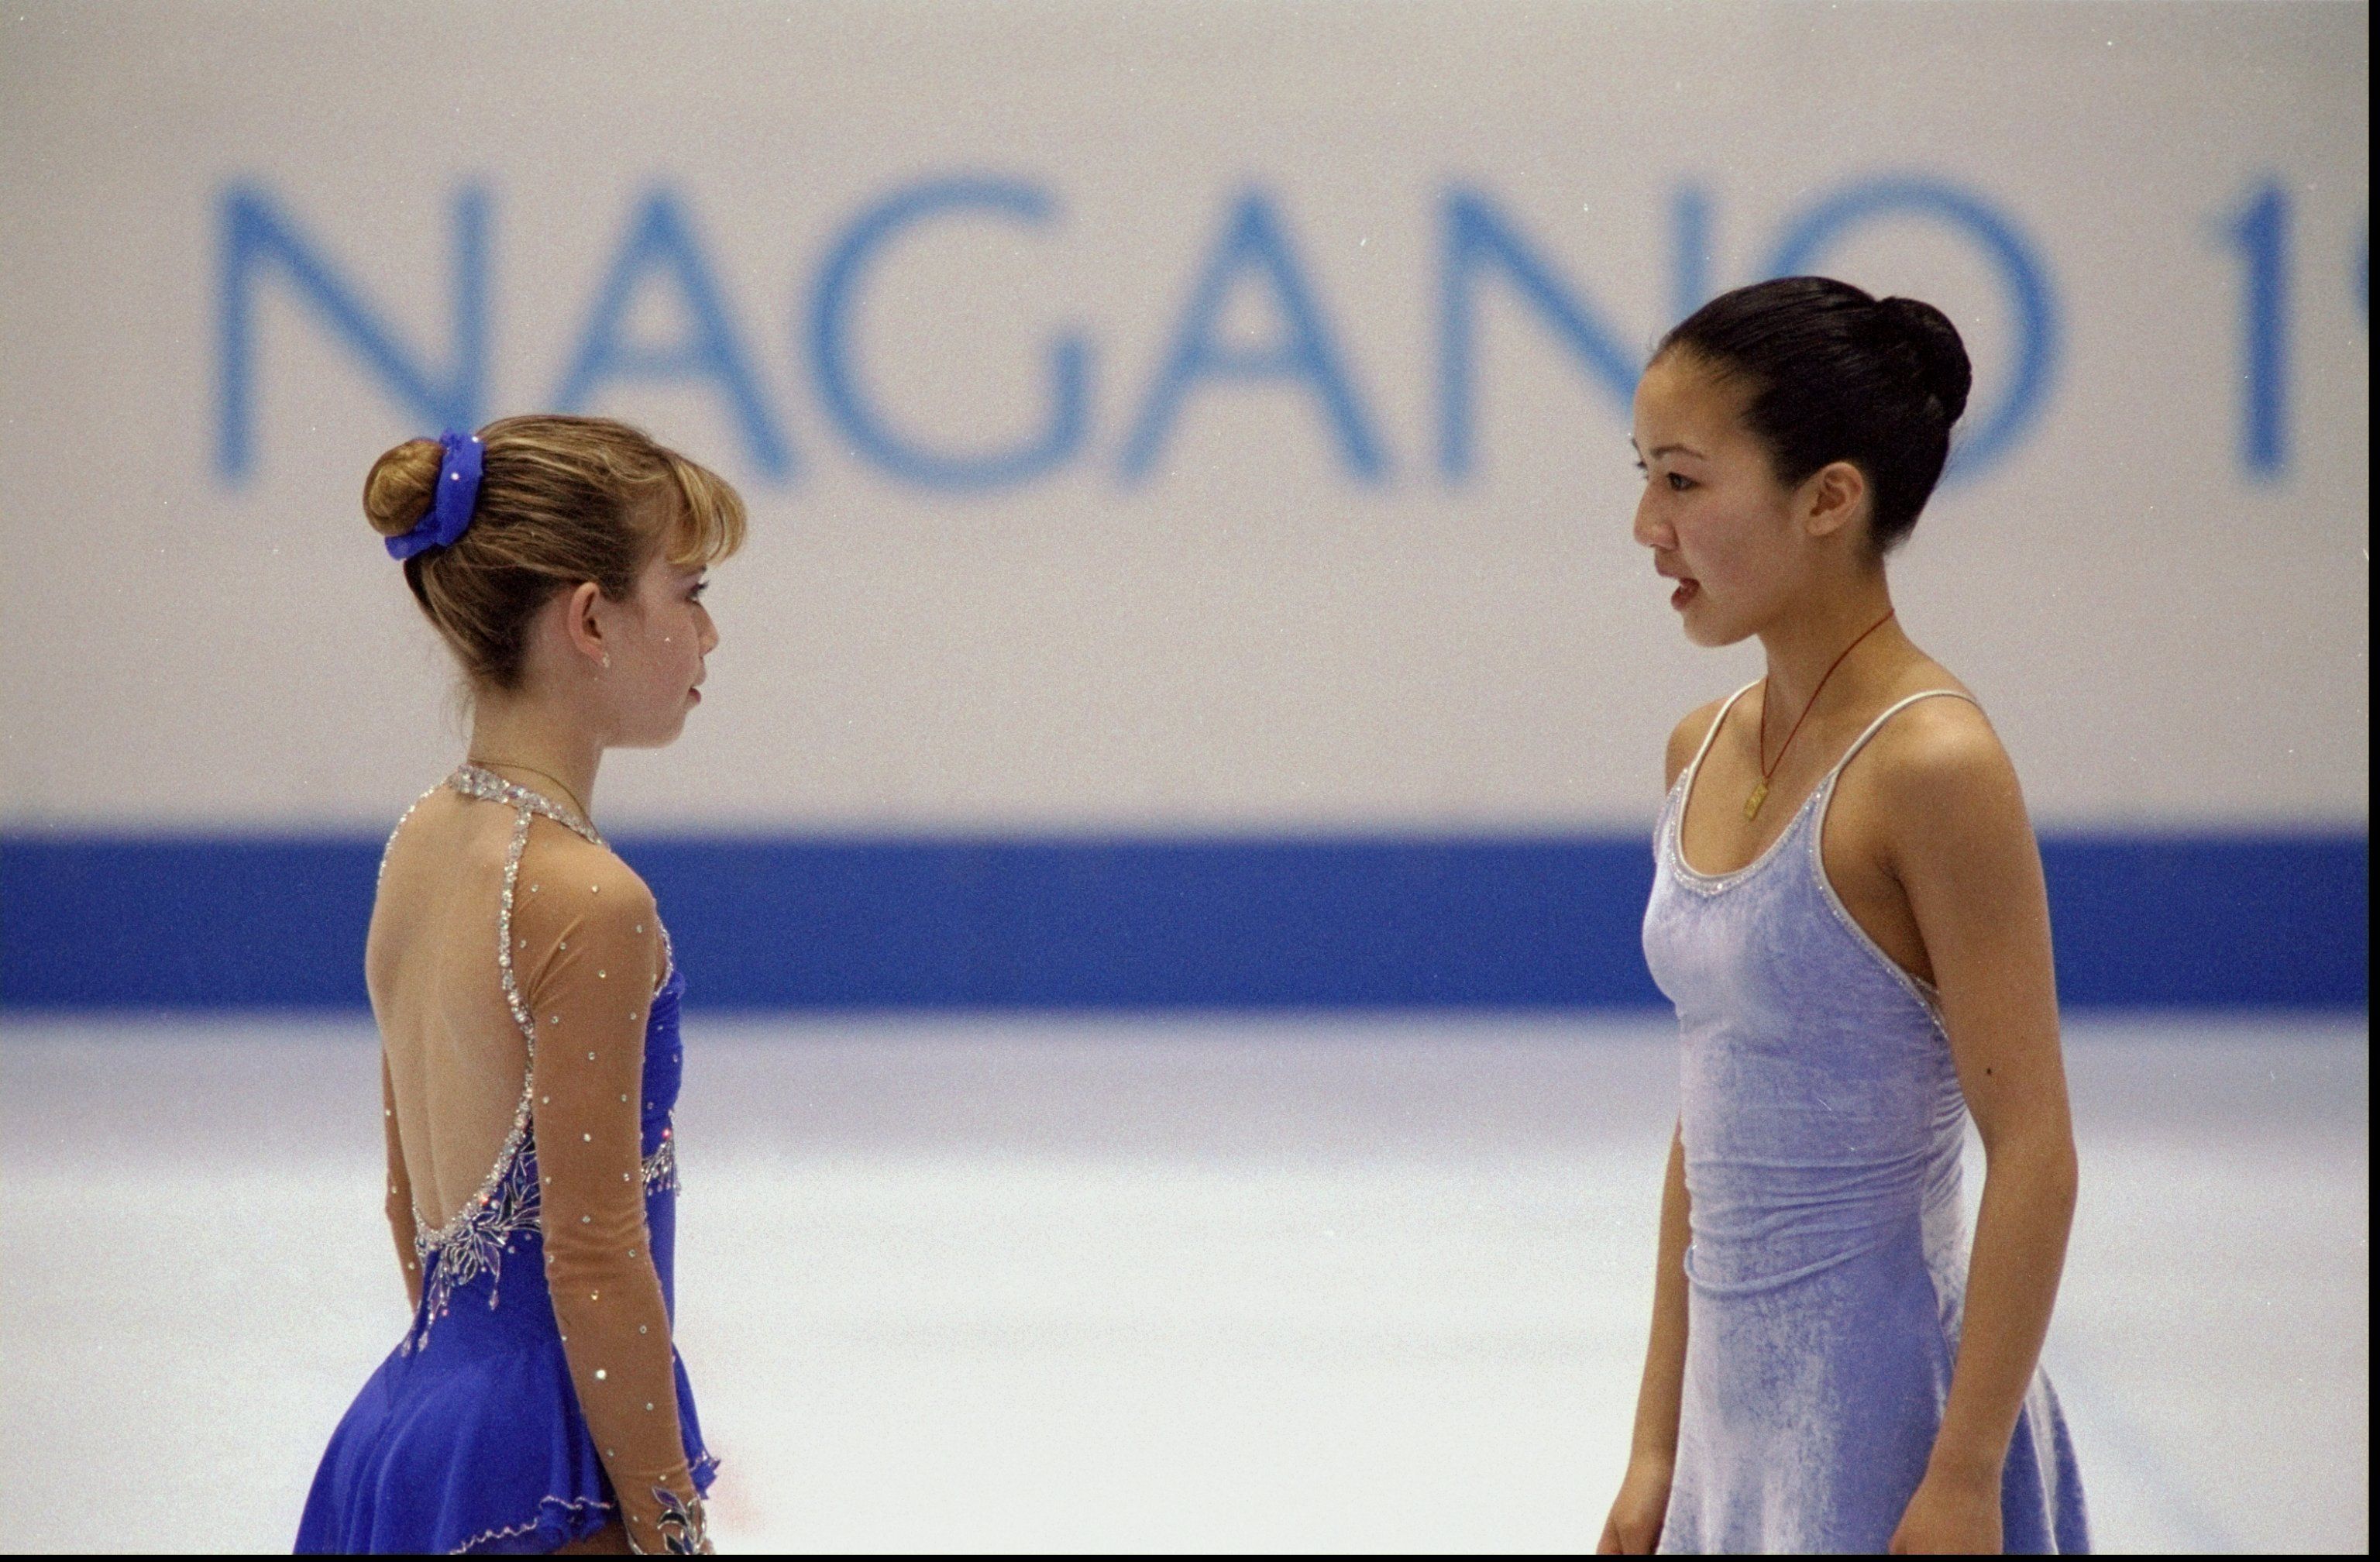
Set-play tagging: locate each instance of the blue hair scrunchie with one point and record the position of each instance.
(450, 509)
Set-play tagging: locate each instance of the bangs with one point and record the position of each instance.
(709, 526)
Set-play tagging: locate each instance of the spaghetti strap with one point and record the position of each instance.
(1890, 711)
(1708, 737)
(1682, 791)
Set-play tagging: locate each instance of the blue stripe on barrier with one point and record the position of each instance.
(93, 922)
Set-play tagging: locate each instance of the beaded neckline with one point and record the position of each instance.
(1672, 831)
(477, 781)
(1673, 834)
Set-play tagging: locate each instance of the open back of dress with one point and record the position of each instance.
(457, 1063)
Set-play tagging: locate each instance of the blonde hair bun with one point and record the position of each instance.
(398, 489)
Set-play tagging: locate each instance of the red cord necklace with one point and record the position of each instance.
(1760, 793)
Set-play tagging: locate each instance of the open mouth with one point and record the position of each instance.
(1687, 591)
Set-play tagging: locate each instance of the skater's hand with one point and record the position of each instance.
(1634, 1527)
(1951, 1514)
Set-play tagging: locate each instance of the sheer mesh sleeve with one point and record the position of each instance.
(400, 1192)
(587, 972)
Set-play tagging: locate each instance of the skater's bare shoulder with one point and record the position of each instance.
(1688, 737)
(1942, 781)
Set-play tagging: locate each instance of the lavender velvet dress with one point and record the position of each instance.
(1822, 1125)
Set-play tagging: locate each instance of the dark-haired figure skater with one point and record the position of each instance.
(527, 1006)
(1847, 913)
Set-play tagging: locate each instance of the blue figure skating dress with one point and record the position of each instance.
(1822, 1124)
(537, 1395)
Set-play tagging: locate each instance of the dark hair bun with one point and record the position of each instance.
(1941, 356)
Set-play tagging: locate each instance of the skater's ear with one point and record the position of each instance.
(1833, 500)
(583, 611)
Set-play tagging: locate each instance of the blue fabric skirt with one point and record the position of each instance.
(472, 1441)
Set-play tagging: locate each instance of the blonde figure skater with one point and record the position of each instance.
(1847, 913)
(527, 1006)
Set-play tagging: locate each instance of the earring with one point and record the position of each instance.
(607, 659)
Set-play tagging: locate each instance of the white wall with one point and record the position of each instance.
(1250, 636)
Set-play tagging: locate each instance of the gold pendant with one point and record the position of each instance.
(1751, 804)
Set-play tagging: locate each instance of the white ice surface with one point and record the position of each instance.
(962, 1284)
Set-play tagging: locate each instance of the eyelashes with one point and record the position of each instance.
(1679, 482)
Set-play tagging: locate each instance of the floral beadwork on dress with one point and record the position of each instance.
(474, 1242)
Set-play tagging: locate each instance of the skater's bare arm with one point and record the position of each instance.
(1634, 1525)
(1657, 1397)
(1965, 854)
(400, 1193)
(1636, 1521)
